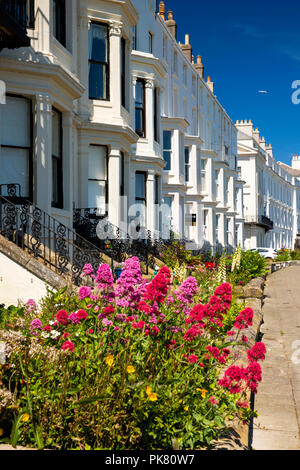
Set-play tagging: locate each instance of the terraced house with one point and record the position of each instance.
(271, 192)
(108, 117)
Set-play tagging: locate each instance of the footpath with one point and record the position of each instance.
(278, 399)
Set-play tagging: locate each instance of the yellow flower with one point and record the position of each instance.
(1, 432)
(148, 390)
(152, 396)
(130, 369)
(25, 417)
(203, 392)
(109, 360)
(186, 408)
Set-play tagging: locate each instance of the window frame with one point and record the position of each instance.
(106, 64)
(59, 204)
(139, 199)
(141, 132)
(105, 180)
(156, 114)
(123, 71)
(187, 164)
(169, 151)
(60, 27)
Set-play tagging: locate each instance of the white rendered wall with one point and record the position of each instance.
(17, 285)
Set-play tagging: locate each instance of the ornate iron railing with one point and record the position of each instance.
(116, 243)
(61, 249)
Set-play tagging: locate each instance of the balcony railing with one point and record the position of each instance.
(261, 220)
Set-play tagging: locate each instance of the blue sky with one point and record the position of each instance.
(247, 47)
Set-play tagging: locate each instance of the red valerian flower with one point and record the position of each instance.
(244, 319)
(81, 314)
(47, 328)
(257, 352)
(62, 317)
(253, 375)
(192, 359)
(214, 401)
(109, 309)
(68, 346)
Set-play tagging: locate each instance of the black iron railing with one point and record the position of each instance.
(61, 249)
(117, 243)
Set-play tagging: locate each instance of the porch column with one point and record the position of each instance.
(150, 200)
(114, 181)
(68, 165)
(43, 164)
(149, 85)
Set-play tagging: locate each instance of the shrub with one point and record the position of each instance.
(251, 265)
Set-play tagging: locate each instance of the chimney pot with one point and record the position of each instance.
(199, 66)
(162, 10)
(171, 23)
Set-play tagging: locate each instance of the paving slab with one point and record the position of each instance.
(278, 399)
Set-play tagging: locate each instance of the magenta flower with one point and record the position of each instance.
(84, 292)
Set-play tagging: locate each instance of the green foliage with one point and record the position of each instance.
(175, 254)
(251, 266)
(283, 255)
(9, 316)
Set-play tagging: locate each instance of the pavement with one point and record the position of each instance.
(278, 399)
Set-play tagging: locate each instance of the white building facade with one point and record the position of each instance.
(271, 193)
(105, 111)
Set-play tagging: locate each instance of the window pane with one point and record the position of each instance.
(187, 155)
(15, 122)
(139, 93)
(167, 159)
(97, 163)
(167, 140)
(97, 81)
(56, 134)
(97, 195)
(140, 186)
(55, 189)
(98, 42)
(14, 168)
(139, 120)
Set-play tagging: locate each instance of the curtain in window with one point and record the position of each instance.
(15, 141)
(97, 178)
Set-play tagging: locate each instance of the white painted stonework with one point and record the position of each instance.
(17, 285)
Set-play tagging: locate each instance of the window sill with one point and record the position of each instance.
(63, 49)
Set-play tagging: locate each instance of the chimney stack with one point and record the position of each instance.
(199, 66)
(171, 23)
(162, 10)
(187, 48)
(210, 85)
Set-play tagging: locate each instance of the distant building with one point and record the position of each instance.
(271, 192)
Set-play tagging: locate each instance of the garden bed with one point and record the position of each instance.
(131, 364)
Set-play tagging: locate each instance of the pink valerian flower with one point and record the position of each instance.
(68, 346)
(62, 317)
(31, 306)
(187, 290)
(104, 277)
(257, 353)
(88, 270)
(107, 322)
(130, 286)
(214, 401)
(84, 292)
(244, 319)
(74, 319)
(36, 324)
